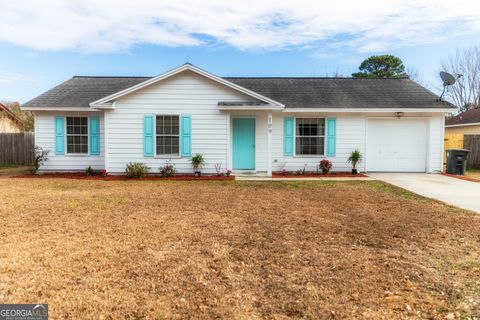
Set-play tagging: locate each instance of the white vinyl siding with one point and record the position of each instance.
(350, 135)
(45, 138)
(184, 93)
(435, 141)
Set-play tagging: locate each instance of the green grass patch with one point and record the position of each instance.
(10, 166)
(11, 170)
(391, 189)
(467, 265)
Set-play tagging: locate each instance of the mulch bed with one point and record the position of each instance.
(82, 176)
(318, 175)
(461, 177)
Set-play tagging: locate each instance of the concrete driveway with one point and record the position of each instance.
(459, 193)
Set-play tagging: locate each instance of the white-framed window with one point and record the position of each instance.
(310, 136)
(167, 135)
(77, 135)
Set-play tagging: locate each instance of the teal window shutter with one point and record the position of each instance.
(288, 130)
(148, 135)
(331, 137)
(94, 135)
(59, 135)
(186, 143)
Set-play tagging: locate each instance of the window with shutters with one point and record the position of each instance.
(77, 135)
(310, 136)
(168, 135)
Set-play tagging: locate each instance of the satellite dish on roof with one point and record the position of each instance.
(448, 80)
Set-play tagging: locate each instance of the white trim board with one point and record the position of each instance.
(462, 125)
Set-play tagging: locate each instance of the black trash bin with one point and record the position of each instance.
(457, 161)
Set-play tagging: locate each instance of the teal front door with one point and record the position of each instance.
(243, 143)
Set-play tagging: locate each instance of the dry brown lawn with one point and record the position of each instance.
(235, 250)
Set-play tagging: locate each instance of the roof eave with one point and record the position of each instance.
(367, 110)
(251, 108)
(75, 109)
(462, 124)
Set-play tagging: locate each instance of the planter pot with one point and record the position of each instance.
(198, 173)
(354, 171)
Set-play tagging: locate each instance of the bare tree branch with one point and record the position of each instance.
(465, 93)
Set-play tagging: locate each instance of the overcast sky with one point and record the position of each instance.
(44, 42)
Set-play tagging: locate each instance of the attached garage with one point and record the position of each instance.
(397, 145)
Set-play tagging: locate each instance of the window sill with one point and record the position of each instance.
(77, 155)
(309, 156)
(167, 157)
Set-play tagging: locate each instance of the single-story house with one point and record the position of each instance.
(9, 122)
(248, 124)
(467, 122)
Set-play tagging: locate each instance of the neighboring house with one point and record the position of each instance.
(247, 124)
(467, 122)
(9, 122)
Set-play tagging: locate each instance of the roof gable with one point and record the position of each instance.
(106, 102)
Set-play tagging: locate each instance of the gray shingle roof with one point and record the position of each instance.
(343, 92)
(469, 116)
(80, 91)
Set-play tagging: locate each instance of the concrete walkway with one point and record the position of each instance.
(453, 191)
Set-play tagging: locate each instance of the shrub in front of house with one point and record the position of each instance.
(136, 170)
(40, 157)
(168, 170)
(89, 171)
(325, 166)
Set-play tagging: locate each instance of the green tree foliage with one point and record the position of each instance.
(384, 66)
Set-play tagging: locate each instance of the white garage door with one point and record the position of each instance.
(398, 145)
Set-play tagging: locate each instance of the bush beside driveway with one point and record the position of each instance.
(165, 249)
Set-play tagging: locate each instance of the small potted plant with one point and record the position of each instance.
(228, 172)
(354, 159)
(104, 173)
(197, 163)
(325, 166)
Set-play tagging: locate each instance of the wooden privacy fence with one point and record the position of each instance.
(472, 142)
(17, 148)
